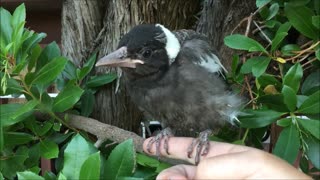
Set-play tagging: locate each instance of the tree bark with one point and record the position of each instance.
(219, 18)
(81, 23)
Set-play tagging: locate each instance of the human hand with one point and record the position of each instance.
(225, 161)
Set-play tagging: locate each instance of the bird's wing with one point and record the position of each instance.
(195, 47)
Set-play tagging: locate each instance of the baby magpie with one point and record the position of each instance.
(176, 78)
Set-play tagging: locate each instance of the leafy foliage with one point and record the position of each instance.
(286, 75)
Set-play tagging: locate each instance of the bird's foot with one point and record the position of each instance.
(164, 134)
(201, 144)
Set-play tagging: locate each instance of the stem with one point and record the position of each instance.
(245, 135)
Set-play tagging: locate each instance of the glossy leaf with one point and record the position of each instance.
(77, 151)
(7, 111)
(312, 126)
(5, 26)
(301, 20)
(257, 65)
(288, 144)
(87, 103)
(260, 67)
(293, 77)
(274, 102)
(273, 10)
(67, 98)
(313, 151)
(281, 33)
(311, 84)
(260, 3)
(290, 97)
(316, 21)
(285, 122)
(96, 81)
(15, 163)
(19, 16)
(242, 42)
(17, 138)
(50, 71)
(50, 52)
(311, 105)
(258, 118)
(121, 161)
(287, 50)
(87, 67)
(27, 175)
(49, 149)
(91, 167)
(26, 108)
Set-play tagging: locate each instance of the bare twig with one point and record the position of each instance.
(264, 35)
(100, 130)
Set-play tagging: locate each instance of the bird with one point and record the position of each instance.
(177, 78)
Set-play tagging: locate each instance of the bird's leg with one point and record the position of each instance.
(201, 144)
(165, 134)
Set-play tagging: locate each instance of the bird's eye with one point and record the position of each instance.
(146, 53)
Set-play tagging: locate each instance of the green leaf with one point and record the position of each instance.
(91, 167)
(267, 79)
(77, 151)
(290, 97)
(49, 149)
(316, 21)
(298, 2)
(285, 122)
(49, 176)
(26, 108)
(273, 10)
(50, 71)
(293, 77)
(273, 102)
(257, 65)
(18, 16)
(96, 81)
(67, 98)
(313, 151)
(260, 3)
(318, 53)
(27, 175)
(7, 111)
(17, 138)
(241, 42)
(311, 84)
(14, 162)
(287, 146)
(87, 103)
(258, 118)
(312, 126)
(35, 53)
(300, 18)
(50, 52)
(13, 87)
(287, 50)
(311, 105)
(281, 33)
(87, 67)
(1, 138)
(5, 26)
(121, 161)
(62, 177)
(260, 67)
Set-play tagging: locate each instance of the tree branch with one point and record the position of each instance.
(100, 130)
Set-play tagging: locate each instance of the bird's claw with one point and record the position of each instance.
(201, 144)
(165, 134)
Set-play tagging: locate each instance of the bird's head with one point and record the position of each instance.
(146, 50)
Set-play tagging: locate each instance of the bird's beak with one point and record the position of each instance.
(118, 59)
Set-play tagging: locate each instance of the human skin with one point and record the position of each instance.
(224, 161)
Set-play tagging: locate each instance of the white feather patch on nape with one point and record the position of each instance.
(172, 45)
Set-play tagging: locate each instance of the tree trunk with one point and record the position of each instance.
(219, 18)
